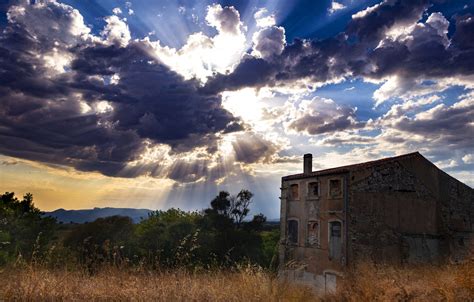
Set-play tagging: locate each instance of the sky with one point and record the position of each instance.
(160, 104)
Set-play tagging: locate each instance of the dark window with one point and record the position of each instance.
(293, 231)
(313, 189)
(313, 233)
(295, 192)
(335, 189)
(335, 240)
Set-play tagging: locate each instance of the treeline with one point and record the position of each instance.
(219, 236)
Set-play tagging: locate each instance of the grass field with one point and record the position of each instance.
(448, 283)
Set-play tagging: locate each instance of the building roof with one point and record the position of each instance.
(343, 169)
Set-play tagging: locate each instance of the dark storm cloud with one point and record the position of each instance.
(269, 41)
(325, 122)
(322, 116)
(53, 117)
(464, 41)
(369, 25)
(149, 98)
(365, 50)
(427, 53)
(453, 124)
(251, 148)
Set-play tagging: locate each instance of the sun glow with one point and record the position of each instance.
(202, 55)
(248, 104)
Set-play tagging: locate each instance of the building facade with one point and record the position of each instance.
(395, 210)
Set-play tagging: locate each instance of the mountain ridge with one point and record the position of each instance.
(89, 215)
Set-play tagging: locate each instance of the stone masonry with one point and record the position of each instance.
(395, 210)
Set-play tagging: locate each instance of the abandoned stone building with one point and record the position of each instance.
(395, 210)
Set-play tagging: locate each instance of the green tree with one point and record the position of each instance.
(106, 239)
(230, 238)
(168, 237)
(23, 228)
(239, 206)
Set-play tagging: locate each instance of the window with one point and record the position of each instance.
(295, 192)
(292, 231)
(313, 232)
(335, 189)
(335, 240)
(313, 189)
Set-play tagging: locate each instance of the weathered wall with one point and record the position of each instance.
(305, 261)
(455, 208)
(408, 211)
(398, 211)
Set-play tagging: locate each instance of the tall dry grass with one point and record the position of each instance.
(368, 282)
(121, 285)
(365, 283)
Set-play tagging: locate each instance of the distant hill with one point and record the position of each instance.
(88, 215)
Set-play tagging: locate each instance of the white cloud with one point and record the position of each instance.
(413, 36)
(202, 55)
(57, 61)
(117, 11)
(468, 158)
(336, 6)
(361, 14)
(264, 19)
(224, 19)
(116, 31)
(40, 20)
(446, 164)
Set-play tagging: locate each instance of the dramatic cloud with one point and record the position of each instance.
(107, 102)
(264, 19)
(319, 116)
(440, 131)
(387, 43)
(116, 31)
(454, 125)
(202, 56)
(225, 19)
(95, 103)
(269, 41)
(213, 96)
(250, 148)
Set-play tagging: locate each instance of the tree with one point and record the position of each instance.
(105, 240)
(168, 236)
(23, 228)
(221, 203)
(231, 238)
(239, 206)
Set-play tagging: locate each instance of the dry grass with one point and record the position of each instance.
(117, 285)
(420, 283)
(367, 283)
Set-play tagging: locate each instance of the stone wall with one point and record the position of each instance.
(394, 217)
(398, 211)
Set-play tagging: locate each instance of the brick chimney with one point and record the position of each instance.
(307, 163)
